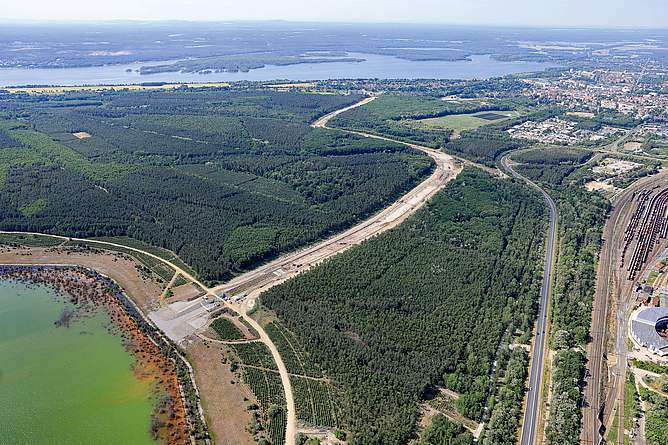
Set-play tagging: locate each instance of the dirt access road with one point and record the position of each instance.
(289, 265)
(258, 280)
(285, 267)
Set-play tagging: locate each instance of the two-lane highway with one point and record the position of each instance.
(532, 407)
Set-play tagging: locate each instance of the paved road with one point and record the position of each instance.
(532, 407)
(611, 148)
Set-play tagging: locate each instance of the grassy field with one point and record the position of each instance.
(614, 428)
(30, 240)
(459, 122)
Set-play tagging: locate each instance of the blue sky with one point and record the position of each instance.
(566, 13)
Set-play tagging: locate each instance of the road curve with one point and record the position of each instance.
(261, 279)
(176, 268)
(323, 120)
(532, 406)
(264, 277)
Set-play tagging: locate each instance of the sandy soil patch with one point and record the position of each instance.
(81, 135)
(223, 400)
(581, 114)
(595, 185)
(632, 145)
(325, 435)
(121, 268)
(184, 292)
(444, 403)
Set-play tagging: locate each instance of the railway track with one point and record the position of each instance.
(636, 213)
(648, 222)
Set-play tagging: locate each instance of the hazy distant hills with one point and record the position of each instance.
(79, 44)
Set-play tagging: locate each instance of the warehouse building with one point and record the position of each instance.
(644, 325)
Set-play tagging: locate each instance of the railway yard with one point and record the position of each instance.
(634, 243)
(634, 240)
(648, 225)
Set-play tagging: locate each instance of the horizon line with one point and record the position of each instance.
(29, 21)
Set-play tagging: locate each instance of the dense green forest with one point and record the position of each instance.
(565, 414)
(506, 415)
(554, 156)
(656, 416)
(480, 148)
(223, 176)
(424, 304)
(444, 432)
(582, 216)
(238, 62)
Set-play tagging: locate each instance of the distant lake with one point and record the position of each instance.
(375, 66)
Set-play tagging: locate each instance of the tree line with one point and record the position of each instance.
(224, 177)
(421, 305)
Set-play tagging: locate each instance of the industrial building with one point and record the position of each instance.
(644, 329)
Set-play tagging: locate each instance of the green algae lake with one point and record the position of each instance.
(62, 384)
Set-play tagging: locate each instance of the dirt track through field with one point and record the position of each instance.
(260, 279)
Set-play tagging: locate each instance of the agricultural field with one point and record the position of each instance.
(180, 281)
(314, 402)
(459, 122)
(267, 387)
(315, 398)
(292, 353)
(255, 354)
(260, 374)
